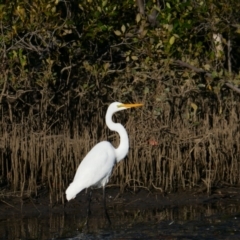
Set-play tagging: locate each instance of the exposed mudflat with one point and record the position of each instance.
(128, 201)
(137, 215)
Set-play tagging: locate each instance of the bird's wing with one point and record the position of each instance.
(96, 166)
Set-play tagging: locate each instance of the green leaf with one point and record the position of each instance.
(138, 17)
(123, 28)
(207, 67)
(194, 106)
(118, 33)
(106, 66)
(104, 3)
(134, 58)
(143, 33)
(172, 40)
(146, 90)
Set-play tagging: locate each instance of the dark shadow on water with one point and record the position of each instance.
(200, 221)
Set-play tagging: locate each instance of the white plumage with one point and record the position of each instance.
(96, 168)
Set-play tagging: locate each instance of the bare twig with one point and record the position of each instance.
(140, 5)
(152, 16)
(4, 87)
(229, 55)
(199, 70)
(9, 204)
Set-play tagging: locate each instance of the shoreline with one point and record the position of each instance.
(128, 201)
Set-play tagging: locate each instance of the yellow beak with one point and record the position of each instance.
(131, 105)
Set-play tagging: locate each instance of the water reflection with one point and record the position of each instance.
(216, 220)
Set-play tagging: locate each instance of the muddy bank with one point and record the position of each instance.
(127, 201)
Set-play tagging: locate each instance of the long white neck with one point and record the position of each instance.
(123, 147)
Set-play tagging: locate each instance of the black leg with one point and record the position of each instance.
(89, 203)
(105, 208)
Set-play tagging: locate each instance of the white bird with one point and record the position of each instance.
(95, 169)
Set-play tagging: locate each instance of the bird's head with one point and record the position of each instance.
(71, 192)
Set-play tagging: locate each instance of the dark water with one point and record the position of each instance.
(207, 221)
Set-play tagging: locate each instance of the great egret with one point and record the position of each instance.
(95, 169)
